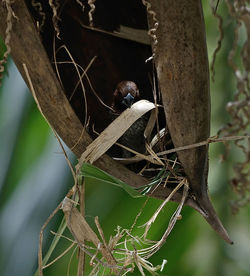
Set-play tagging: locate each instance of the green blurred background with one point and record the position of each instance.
(34, 178)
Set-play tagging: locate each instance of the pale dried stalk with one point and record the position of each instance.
(219, 41)
(81, 4)
(172, 222)
(80, 79)
(60, 256)
(153, 154)
(153, 218)
(84, 74)
(81, 257)
(92, 10)
(152, 31)
(97, 223)
(55, 18)
(203, 143)
(138, 157)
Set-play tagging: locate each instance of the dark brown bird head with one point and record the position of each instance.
(125, 94)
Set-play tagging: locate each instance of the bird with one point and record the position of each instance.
(125, 94)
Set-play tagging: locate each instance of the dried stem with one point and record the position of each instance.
(54, 6)
(219, 41)
(81, 4)
(153, 218)
(204, 143)
(81, 257)
(10, 15)
(152, 31)
(92, 9)
(173, 220)
(60, 256)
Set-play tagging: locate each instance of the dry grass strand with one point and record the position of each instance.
(220, 39)
(9, 25)
(152, 31)
(91, 11)
(39, 8)
(55, 18)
